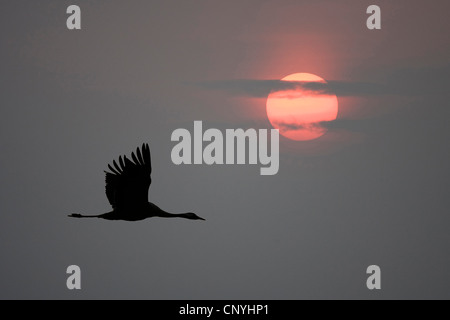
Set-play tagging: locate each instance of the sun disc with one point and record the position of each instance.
(300, 114)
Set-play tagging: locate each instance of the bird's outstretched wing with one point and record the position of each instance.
(128, 182)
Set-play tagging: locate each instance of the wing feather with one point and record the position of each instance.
(116, 166)
(133, 156)
(112, 169)
(146, 155)
(128, 162)
(122, 165)
(141, 161)
(127, 185)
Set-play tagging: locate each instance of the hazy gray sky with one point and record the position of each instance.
(373, 190)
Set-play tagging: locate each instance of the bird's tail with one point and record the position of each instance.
(77, 215)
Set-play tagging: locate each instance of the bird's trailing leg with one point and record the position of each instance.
(77, 215)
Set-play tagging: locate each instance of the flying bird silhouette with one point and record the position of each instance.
(127, 190)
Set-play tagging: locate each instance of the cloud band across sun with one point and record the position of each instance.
(404, 82)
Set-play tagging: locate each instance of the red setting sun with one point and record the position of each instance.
(300, 113)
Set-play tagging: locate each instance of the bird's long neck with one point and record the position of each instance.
(165, 214)
(157, 211)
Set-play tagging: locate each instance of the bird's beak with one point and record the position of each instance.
(202, 219)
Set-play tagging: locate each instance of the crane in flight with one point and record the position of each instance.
(127, 190)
